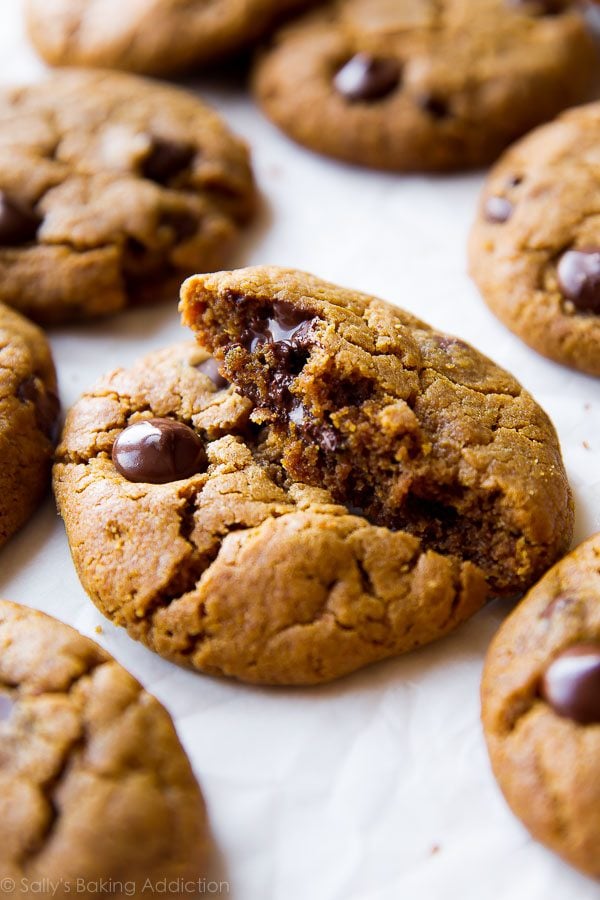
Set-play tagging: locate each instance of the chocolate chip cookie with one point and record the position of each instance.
(541, 708)
(213, 542)
(428, 85)
(28, 412)
(112, 189)
(535, 247)
(149, 36)
(94, 784)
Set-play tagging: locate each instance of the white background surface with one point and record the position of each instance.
(377, 787)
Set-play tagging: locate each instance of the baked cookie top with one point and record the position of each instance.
(112, 188)
(185, 529)
(414, 428)
(148, 36)
(535, 247)
(28, 414)
(424, 85)
(93, 780)
(541, 708)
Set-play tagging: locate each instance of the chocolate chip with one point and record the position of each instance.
(46, 404)
(18, 223)
(579, 278)
(6, 706)
(365, 77)
(166, 160)
(284, 325)
(435, 106)
(157, 451)
(497, 209)
(571, 684)
(210, 368)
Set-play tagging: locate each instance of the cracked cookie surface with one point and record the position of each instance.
(428, 85)
(94, 782)
(535, 246)
(413, 428)
(237, 570)
(112, 189)
(541, 708)
(149, 36)
(28, 413)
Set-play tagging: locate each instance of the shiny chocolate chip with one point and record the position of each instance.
(45, 402)
(166, 160)
(497, 209)
(18, 223)
(579, 278)
(285, 325)
(157, 451)
(210, 368)
(6, 706)
(366, 78)
(571, 684)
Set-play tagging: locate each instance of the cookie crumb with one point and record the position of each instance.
(99, 629)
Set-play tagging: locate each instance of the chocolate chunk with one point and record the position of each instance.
(497, 209)
(18, 224)
(6, 706)
(571, 684)
(285, 325)
(579, 278)
(46, 404)
(166, 160)
(365, 77)
(210, 368)
(157, 451)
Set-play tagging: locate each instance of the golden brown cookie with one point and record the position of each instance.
(112, 188)
(94, 784)
(535, 247)
(424, 84)
(189, 526)
(541, 708)
(28, 414)
(149, 36)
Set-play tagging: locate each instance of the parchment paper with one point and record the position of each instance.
(377, 787)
